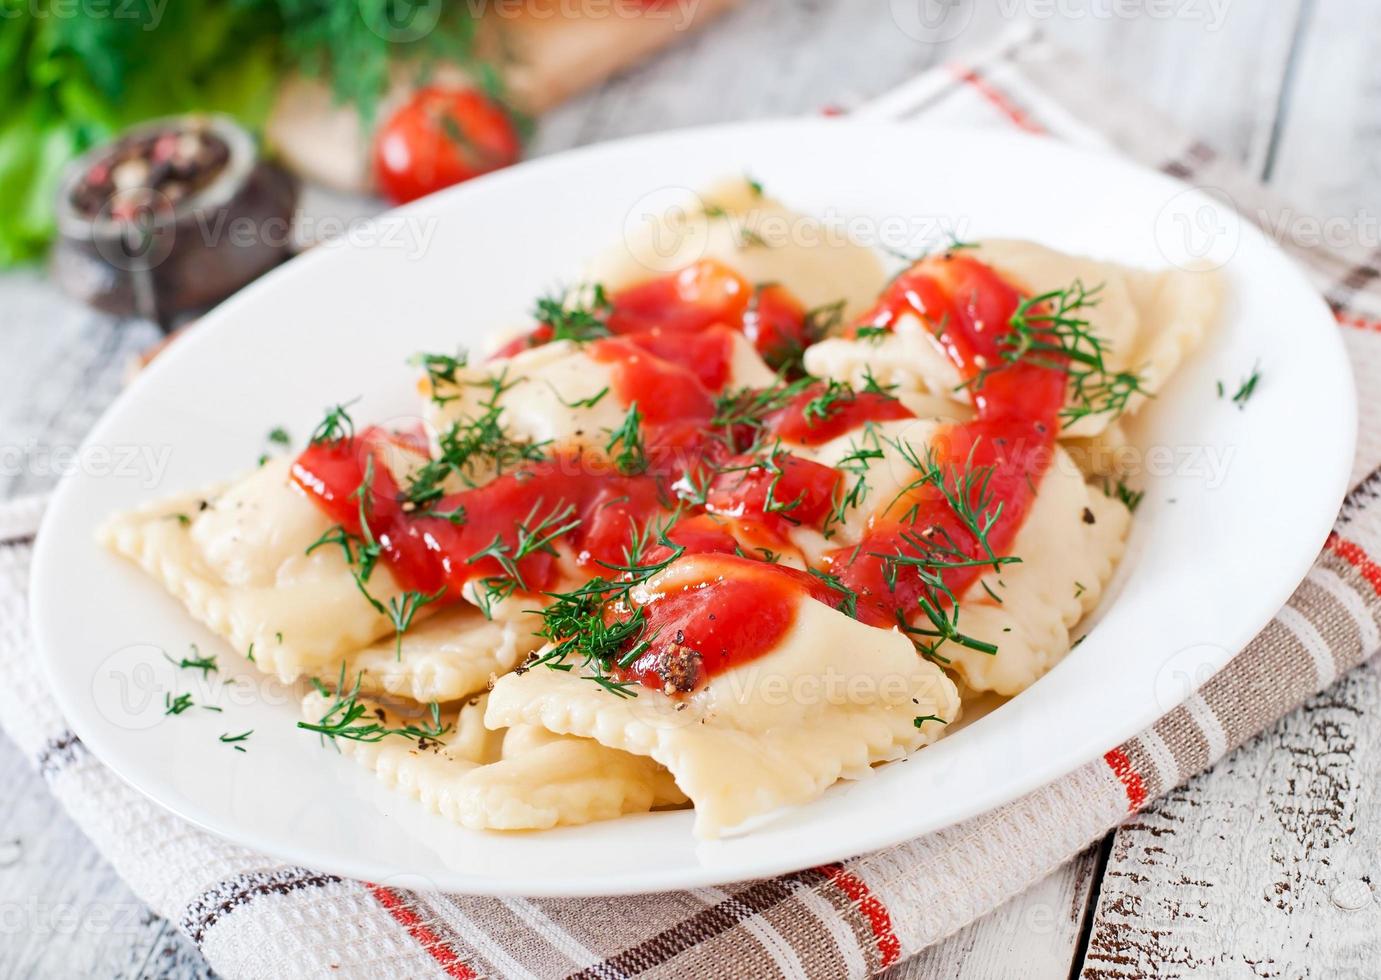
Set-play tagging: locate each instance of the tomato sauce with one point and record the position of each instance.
(670, 354)
(1009, 444)
(672, 310)
(716, 612)
(796, 423)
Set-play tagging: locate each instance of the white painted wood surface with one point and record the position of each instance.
(1265, 866)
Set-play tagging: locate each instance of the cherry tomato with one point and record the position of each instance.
(441, 137)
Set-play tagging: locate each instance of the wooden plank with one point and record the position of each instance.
(1034, 935)
(1215, 66)
(773, 57)
(63, 910)
(66, 367)
(1329, 157)
(1266, 866)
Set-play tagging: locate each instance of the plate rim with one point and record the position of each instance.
(221, 319)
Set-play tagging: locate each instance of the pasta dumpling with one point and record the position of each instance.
(830, 699)
(519, 779)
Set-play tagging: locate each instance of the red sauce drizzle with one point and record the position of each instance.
(668, 310)
(719, 611)
(841, 416)
(670, 354)
(968, 307)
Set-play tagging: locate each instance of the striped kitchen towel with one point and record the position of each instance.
(254, 916)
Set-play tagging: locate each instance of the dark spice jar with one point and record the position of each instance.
(171, 218)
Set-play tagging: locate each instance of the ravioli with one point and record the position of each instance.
(557, 395)
(765, 241)
(1147, 322)
(449, 656)
(235, 556)
(688, 576)
(1069, 546)
(519, 779)
(833, 698)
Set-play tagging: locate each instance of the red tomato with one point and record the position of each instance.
(441, 137)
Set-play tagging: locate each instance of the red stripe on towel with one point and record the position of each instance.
(436, 947)
(1130, 779)
(1006, 106)
(879, 919)
(1352, 553)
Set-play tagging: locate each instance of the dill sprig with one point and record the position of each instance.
(336, 426)
(176, 705)
(1248, 387)
(824, 404)
(471, 445)
(531, 535)
(863, 452)
(581, 320)
(930, 552)
(441, 369)
(1048, 331)
(576, 624)
(631, 456)
(342, 718)
(401, 611)
(1130, 498)
(207, 665)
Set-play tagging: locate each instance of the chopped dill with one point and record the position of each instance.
(631, 456)
(581, 320)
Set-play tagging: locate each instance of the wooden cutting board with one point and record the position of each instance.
(550, 55)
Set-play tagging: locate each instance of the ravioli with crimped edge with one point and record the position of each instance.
(731, 521)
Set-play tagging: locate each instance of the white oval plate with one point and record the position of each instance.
(1238, 502)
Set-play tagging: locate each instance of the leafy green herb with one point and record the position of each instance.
(849, 602)
(1247, 388)
(630, 457)
(402, 609)
(336, 426)
(823, 405)
(1049, 330)
(1129, 497)
(441, 369)
(471, 448)
(176, 705)
(575, 623)
(931, 551)
(532, 535)
(863, 452)
(234, 740)
(580, 321)
(590, 402)
(925, 718)
(207, 665)
(342, 718)
(279, 436)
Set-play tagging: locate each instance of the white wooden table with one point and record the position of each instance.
(1266, 866)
